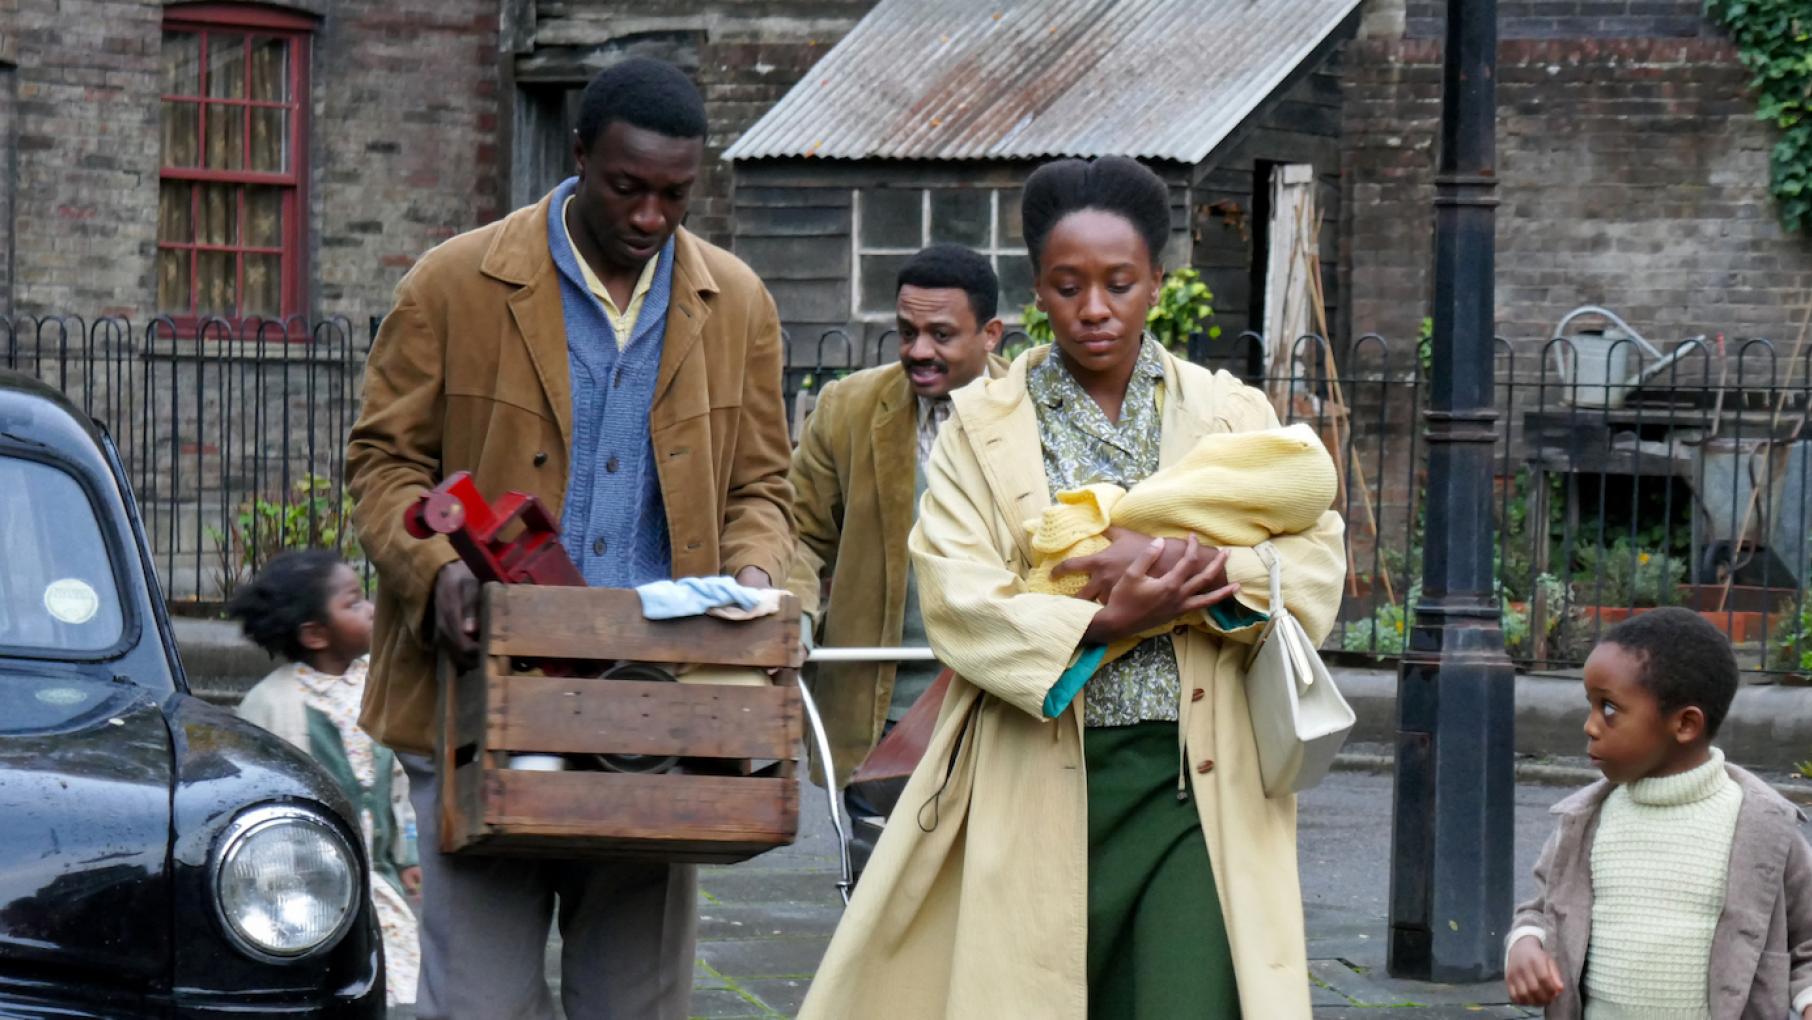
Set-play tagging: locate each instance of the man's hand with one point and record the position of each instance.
(1143, 598)
(1105, 568)
(456, 613)
(1532, 977)
(754, 577)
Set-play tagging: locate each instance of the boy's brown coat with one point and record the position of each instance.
(1761, 951)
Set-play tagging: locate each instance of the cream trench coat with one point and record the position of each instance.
(975, 902)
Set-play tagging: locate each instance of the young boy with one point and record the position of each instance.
(1679, 886)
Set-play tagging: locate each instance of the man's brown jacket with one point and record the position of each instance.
(469, 372)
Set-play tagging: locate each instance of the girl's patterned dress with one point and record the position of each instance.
(319, 713)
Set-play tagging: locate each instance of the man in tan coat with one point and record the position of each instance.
(856, 499)
(591, 352)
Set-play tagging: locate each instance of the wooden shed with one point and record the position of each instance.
(920, 125)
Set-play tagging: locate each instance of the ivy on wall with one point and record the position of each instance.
(1774, 38)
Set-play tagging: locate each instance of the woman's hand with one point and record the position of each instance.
(1532, 977)
(1105, 568)
(1144, 598)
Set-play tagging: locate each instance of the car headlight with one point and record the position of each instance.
(286, 883)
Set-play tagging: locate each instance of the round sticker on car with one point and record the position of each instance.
(71, 600)
(62, 697)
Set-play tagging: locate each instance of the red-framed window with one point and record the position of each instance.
(232, 189)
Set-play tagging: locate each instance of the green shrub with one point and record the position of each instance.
(307, 518)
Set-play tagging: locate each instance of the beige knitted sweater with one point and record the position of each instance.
(1659, 868)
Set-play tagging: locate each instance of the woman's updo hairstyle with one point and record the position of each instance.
(1112, 184)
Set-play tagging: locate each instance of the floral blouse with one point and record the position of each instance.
(1081, 447)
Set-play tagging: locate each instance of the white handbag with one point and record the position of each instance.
(1299, 718)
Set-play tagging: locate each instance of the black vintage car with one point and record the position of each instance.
(158, 856)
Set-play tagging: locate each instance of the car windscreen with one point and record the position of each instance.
(57, 589)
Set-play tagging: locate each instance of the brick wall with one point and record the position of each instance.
(8, 99)
(405, 140)
(402, 148)
(1633, 174)
(747, 53)
(1571, 19)
(84, 217)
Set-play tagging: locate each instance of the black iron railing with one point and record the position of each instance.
(1618, 486)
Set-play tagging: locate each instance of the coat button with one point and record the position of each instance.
(611, 465)
(1197, 694)
(1205, 766)
(598, 546)
(540, 457)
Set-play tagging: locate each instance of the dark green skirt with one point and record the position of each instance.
(1157, 944)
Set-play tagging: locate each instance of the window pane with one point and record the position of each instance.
(175, 213)
(264, 217)
(880, 282)
(891, 218)
(961, 217)
(226, 137)
(57, 590)
(182, 64)
(1015, 284)
(270, 69)
(172, 281)
(226, 66)
(182, 134)
(263, 286)
(216, 284)
(270, 140)
(1012, 229)
(218, 215)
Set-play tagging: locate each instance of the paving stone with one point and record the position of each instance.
(723, 1004)
(784, 995)
(750, 920)
(740, 959)
(762, 886)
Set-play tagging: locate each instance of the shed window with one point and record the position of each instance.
(894, 223)
(230, 206)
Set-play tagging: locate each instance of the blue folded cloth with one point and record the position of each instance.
(694, 596)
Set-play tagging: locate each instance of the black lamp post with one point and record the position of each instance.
(1453, 831)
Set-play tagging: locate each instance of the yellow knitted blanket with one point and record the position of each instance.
(1233, 489)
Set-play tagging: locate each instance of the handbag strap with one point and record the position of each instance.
(1267, 554)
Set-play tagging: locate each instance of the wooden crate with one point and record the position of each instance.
(749, 734)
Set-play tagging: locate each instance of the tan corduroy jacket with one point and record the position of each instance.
(853, 479)
(470, 372)
(975, 904)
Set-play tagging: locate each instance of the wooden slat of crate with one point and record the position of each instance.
(558, 715)
(701, 819)
(579, 623)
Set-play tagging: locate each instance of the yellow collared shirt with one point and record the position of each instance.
(623, 322)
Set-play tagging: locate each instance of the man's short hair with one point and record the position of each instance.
(1684, 661)
(643, 92)
(952, 266)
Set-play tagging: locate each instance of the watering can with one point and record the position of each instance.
(1602, 366)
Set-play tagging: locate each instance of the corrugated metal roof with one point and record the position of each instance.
(1020, 79)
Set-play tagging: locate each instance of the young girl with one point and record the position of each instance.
(1081, 844)
(309, 608)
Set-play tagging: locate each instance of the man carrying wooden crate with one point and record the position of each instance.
(856, 502)
(590, 351)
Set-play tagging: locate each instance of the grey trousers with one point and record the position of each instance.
(627, 929)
